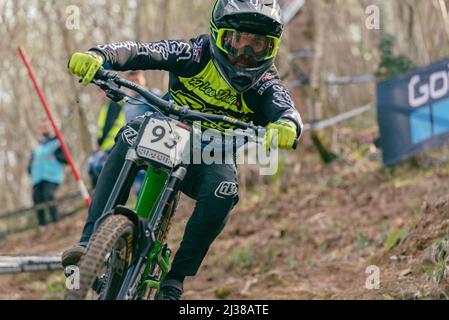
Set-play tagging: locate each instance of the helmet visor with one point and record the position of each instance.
(254, 48)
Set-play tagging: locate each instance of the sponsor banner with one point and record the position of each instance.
(413, 112)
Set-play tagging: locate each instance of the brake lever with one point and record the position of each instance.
(111, 89)
(114, 95)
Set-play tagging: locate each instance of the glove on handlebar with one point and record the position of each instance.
(85, 65)
(286, 133)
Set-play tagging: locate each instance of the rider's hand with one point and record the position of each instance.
(85, 65)
(286, 132)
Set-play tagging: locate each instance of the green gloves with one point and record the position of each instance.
(286, 132)
(85, 65)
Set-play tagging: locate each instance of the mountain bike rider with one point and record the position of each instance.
(229, 72)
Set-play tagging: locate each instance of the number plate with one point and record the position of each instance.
(164, 141)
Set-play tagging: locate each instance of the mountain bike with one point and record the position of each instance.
(127, 256)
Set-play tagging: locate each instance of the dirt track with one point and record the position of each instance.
(311, 235)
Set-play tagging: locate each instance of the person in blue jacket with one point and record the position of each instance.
(46, 168)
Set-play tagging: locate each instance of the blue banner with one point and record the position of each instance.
(413, 112)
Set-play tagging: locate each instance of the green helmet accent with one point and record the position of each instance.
(254, 17)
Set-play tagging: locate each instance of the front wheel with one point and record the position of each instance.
(108, 256)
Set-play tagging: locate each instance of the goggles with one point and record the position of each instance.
(238, 43)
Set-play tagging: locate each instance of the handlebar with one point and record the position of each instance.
(111, 82)
(166, 106)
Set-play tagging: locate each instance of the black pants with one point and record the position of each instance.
(45, 192)
(213, 186)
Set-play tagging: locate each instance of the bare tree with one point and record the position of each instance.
(334, 29)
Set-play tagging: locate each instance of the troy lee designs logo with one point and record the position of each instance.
(436, 88)
(222, 95)
(226, 189)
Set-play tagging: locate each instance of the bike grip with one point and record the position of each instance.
(102, 74)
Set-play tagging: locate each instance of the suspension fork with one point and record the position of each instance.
(129, 167)
(132, 281)
(166, 199)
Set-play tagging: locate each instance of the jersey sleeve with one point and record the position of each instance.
(169, 55)
(275, 102)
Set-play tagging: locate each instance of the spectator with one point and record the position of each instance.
(110, 121)
(46, 168)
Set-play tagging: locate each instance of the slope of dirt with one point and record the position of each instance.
(310, 233)
(314, 234)
(419, 267)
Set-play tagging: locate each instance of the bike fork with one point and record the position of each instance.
(136, 272)
(127, 172)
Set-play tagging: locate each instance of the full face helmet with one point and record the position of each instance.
(245, 37)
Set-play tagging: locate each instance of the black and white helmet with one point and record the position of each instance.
(245, 37)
